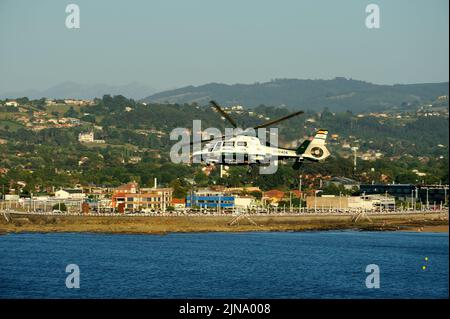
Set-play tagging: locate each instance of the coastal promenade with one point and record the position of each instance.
(14, 221)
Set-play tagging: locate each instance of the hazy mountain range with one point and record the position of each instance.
(71, 89)
(339, 94)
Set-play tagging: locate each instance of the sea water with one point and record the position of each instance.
(318, 264)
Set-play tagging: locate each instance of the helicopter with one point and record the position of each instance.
(244, 149)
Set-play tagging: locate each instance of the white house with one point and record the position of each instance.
(179, 203)
(75, 193)
(41, 198)
(12, 103)
(244, 201)
(86, 137)
(11, 197)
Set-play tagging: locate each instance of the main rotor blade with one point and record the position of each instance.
(222, 112)
(278, 120)
(202, 141)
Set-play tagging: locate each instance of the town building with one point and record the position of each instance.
(41, 197)
(399, 191)
(11, 197)
(97, 191)
(366, 202)
(134, 159)
(86, 137)
(432, 194)
(129, 197)
(272, 197)
(70, 193)
(78, 102)
(50, 102)
(244, 201)
(179, 203)
(209, 199)
(347, 183)
(426, 194)
(12, 103)
(131, 187)
(239, 190)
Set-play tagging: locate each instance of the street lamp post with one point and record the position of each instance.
(290, 202)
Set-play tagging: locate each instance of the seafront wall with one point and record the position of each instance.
(22, 222)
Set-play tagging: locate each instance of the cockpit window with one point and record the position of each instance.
(228, 144)
(217, 146)
(241, 143)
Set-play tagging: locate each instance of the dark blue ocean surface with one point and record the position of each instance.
(225, 265)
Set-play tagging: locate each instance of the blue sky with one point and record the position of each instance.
(173, 43)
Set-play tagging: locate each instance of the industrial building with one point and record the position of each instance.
(366, 202)
(399, 191)
(432, 194)
(426, 194)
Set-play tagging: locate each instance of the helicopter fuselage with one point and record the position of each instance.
(245, 149)
(241, 150)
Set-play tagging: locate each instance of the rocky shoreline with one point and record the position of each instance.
(419, 222)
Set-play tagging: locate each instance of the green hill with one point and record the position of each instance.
(338, 94)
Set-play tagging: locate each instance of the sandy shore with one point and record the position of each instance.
(429, 222)
(428, 229)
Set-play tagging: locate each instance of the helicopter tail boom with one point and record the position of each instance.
(314, 149)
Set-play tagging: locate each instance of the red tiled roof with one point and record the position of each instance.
(127, 187)
(297, 193)
(274, 193)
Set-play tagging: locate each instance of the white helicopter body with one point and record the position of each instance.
(244, 149)
(248, 150)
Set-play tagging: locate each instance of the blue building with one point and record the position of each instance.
(208, 199)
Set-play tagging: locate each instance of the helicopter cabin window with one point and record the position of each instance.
(242, 144)
(228, 144)
(217, 146)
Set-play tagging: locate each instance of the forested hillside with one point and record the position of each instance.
(41, 154)
(339, 94)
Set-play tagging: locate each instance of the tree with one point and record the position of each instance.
(201, 179)
(332, 189)
(22, 100)
(60, 206)
(256, 194)
(88, 118)
(178, 190)
(71, 112)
